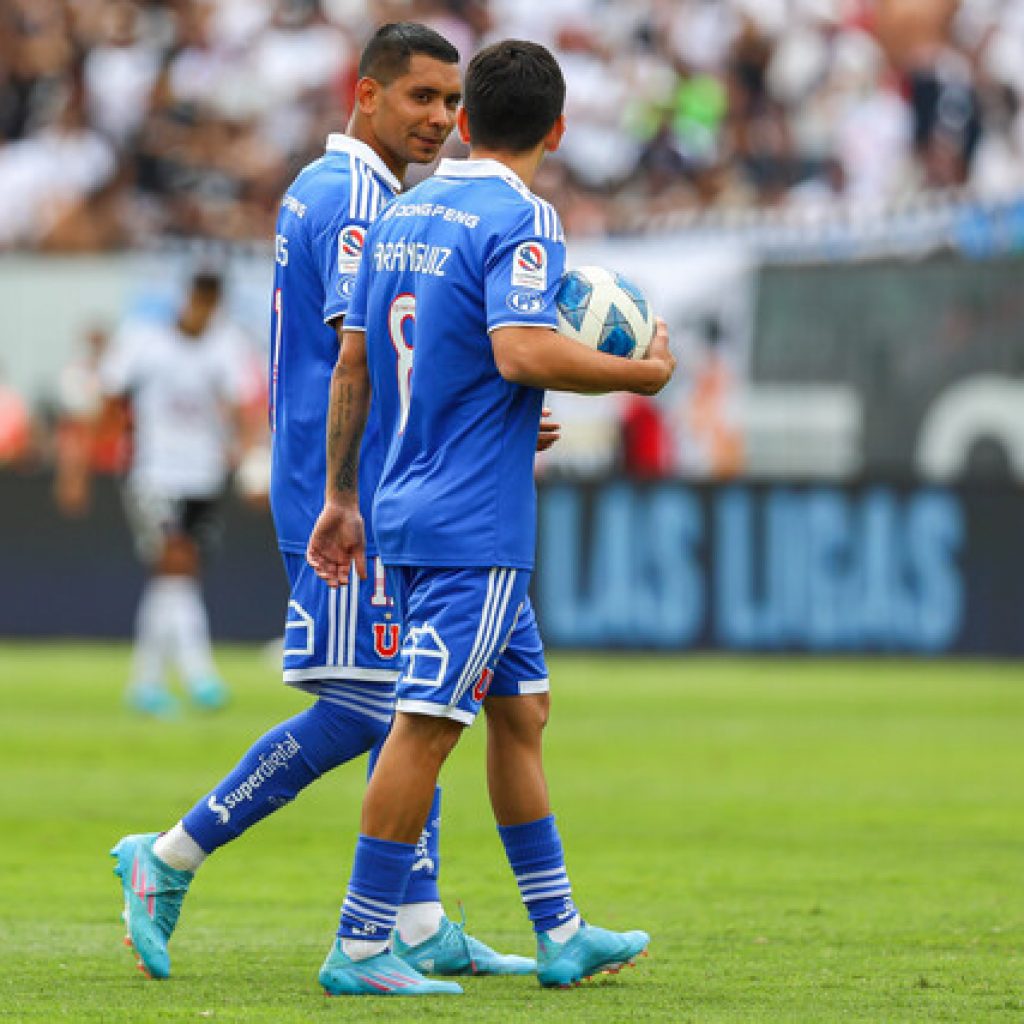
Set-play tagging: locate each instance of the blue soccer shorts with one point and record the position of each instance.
(341, 638)
(469, 634)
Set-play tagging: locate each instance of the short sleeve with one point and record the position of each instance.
(119, 367)
(355, 319)
(338, 254)
(238, 385)
(523, 273)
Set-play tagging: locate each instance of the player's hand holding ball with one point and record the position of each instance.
(660, 353)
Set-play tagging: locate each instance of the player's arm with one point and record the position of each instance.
(72, 484)
(338, 537)
(542, 358)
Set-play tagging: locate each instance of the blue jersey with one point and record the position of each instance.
(469, 250)
(321, 229)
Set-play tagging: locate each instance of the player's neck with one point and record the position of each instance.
(361, 129)
(523, 164)
(190, 326)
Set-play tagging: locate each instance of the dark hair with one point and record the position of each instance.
(514, 93)
(386, 56)
(207, 281)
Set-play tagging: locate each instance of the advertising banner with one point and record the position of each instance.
(858, 568)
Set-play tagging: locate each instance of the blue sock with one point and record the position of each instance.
(426, 867)
(276, 768)
(380, 873)
(534, 851)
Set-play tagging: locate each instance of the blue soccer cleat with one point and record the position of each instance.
(381, 975)
(590, 951)
(451, 951)
(153, 893)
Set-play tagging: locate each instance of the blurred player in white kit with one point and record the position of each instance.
(184, 385)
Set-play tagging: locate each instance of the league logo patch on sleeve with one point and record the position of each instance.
(350, 248)
(525, 302)
(530, 266)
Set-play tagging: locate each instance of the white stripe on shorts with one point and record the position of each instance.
(495, 607)
(332, 627)
(353, 618)
(424, 707)
(534, 686)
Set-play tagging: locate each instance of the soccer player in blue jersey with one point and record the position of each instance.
(340, 644)
(451, 327)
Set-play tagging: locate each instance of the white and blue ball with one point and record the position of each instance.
(605, 311)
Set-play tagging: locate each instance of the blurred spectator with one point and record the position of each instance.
(647, 441)
(16, 428)
(119, 74)
(704, 426)
(85, 442)
(56, 184)
(36, 54)
(189, 118)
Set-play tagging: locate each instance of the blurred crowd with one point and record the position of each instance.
(127, 120)
(123, 122)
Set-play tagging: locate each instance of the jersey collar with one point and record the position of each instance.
(339, 143)
(483, 167)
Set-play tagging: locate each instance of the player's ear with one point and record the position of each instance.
(554, 137)
(462, 124)
(367, 94)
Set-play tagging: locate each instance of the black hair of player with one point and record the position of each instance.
(207, 282)
(514, 94)
(386, 56)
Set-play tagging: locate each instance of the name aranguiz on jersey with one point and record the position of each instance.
(416, 257)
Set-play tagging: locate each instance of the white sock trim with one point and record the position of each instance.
(177, 849)
(564, 932)
(362, 949)
(418, 922)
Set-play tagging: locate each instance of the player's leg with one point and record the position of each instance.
(347, 720)
(156, 869)
(421, 916)
(195, 532)
(455, 621)
(148, 515)
(147, 688)
(424, 935)
(568, 950)
(397, 801)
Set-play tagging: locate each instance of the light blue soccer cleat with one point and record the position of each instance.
(381, 975)
(451, 951)
(152, 700)
(208, 693)
(153, 893)
(590, 951)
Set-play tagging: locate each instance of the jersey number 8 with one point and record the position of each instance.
(403, 308)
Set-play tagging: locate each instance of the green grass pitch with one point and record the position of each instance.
(805, 840)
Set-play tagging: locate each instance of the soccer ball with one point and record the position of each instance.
(603, 310)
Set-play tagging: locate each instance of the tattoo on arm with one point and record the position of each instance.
(346, 419)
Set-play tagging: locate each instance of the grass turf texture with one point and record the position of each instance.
(805, 840)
